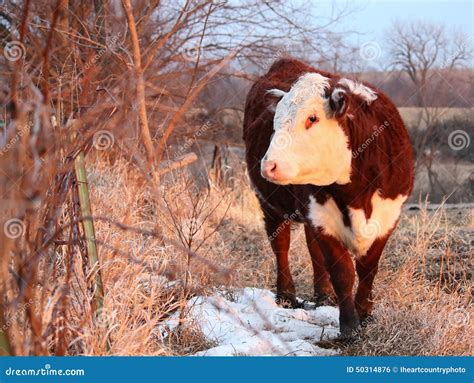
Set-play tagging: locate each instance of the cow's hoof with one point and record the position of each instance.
(323, 299)
(348, 336)
(287, 302)
(349, 330)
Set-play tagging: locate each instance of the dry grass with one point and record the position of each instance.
(418, 312)
(424, 292)
(413, 115)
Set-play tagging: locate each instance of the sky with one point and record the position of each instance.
(372, 18)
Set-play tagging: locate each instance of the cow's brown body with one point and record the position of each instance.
(386, 166)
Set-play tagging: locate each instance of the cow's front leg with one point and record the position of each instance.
(341, 270)
(279, 232)
(367, 266)
(323, 292)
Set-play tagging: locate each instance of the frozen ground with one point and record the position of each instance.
(249, 322)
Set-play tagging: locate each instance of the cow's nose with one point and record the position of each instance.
(269, 169)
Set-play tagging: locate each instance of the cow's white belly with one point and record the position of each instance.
(359, 237)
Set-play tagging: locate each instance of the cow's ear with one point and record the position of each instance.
(274, 96)
(338, 102)
(277, 93)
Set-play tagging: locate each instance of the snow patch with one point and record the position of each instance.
(249, 322)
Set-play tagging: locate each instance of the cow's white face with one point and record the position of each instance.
(308, 145)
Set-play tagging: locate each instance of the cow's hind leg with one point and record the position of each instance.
(367, 266)
(341, 269)
(323, 292)
(279, 232)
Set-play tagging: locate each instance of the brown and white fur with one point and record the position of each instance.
(333, 154)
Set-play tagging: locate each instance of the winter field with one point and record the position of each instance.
(159, 302)
(129, 224)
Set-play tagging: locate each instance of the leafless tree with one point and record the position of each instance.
(420, 47)
(427, 52)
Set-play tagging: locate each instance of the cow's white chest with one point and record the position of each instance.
(359, 237)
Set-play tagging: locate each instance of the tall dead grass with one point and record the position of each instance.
(424, 289)
(417, 311)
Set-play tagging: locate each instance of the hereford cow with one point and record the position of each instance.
(333, 154)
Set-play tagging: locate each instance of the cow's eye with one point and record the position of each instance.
(311, 120)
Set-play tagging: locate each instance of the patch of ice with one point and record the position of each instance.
(251, 323)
